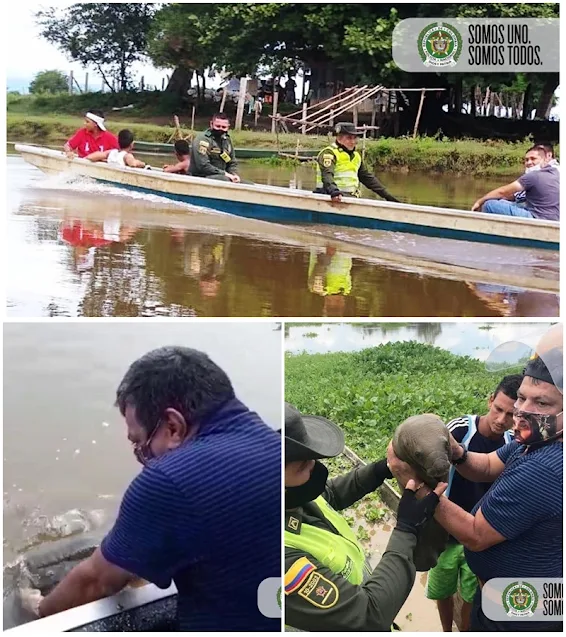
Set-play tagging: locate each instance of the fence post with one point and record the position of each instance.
(71, 82)
(241, 100)
(304, 126)
(193, 118)
(275, 105)
(86, 82)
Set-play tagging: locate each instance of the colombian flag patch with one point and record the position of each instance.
(297, 574)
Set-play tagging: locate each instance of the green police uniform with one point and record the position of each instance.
(340, 171)
(328, 584)
(212, 156)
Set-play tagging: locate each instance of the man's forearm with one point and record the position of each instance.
(476, 468)
(459, 523)
(77, 588)
(498, 193)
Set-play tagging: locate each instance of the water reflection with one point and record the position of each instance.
(470, 339)
(89, 250)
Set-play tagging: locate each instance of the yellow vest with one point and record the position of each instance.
(342, 553)
(345, 170)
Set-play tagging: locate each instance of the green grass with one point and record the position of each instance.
(425, 153)
(370, 392)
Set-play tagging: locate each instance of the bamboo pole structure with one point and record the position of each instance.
(326, 101)
(419, 114)
(193, 118)
(304, 126)
(86, 82)
(275, 104)
(350, 100)
(358, 100)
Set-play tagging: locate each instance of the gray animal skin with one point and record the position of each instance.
(424, 443)
(43, 567)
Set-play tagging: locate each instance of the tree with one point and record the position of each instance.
(49, 82)
(110, 37)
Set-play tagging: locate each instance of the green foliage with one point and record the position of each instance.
(49, 82)
(108, 36)
(370, 392)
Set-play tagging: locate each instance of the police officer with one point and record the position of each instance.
(212, 153)
(339, 168)
(328, 582)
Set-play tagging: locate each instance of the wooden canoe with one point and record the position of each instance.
(272, 203)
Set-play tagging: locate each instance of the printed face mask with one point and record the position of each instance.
(531, 428)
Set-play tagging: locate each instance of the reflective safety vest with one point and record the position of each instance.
(345, 170)
(342, 553)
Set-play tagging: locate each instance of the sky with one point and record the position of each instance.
(26, 53)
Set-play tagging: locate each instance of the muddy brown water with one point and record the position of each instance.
(83, 249)
(65, 443)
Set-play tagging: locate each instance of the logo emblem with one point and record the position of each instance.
(439, 45)
(293, 523)
(520, 599)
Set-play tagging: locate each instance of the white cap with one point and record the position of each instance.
(99, 121)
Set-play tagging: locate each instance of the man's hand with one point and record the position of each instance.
(337, 198)
(401, 470)
(477, 206)
(70, 154)
(235, 179)
(412, 513)
(456, 450)
(30, 599)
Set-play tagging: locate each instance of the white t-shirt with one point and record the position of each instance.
(116, 157)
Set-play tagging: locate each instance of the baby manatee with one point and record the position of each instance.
(424, 443)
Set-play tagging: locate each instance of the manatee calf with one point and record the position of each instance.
(424, 442)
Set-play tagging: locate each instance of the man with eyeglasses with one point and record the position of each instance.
(515, 530)
(205, 511)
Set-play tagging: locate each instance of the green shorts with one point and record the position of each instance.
(451, 574)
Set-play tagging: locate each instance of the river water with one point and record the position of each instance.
(65, 443)
(76, 248)
(465, 339)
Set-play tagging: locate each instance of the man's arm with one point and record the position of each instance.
(327, 163)
(93, 579)
(503, 192)
(345, 607)
(372, 182)
(179, 167)
(99, 155)
(201, 161)
(343, 491)
(478, 467)
(232, 165)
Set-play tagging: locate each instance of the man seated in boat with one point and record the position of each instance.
(521, 197)
(183, 155)
(121, 156)
(212, 152)
(340, 170)
(93, 137)
(542, 191)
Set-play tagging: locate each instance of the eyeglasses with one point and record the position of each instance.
(142, 451)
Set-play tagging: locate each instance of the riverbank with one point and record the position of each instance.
(370, 392)
(459, 156)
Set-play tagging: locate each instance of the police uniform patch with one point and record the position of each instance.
(203, 147)
(225, 156)
(319, 591)
(297, 574)
(327, 160)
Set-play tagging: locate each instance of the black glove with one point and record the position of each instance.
(382, 471)
(335, 192)
(413, 513)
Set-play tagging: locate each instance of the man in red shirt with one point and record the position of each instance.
(93, 137)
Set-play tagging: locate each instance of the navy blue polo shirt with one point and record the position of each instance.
(525, 506)
(208, 516)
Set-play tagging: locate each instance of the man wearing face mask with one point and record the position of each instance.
(329, 586)
(515, 531)
(212, 153)
(205, 509)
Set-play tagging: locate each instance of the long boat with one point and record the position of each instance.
(273, 203)
(241, 153)
(144, 609)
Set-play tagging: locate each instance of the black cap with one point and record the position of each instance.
(310, 437)
(347, 128)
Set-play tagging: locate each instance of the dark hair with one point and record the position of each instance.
(538, 149)
(547, 147)
(97, 112)
(173, 377)
(125, 138)
(220, 116)
(509, 386)
(182, 147)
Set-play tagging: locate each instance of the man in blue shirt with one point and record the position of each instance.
(515, 531)
(205, 511)
(480, 434)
